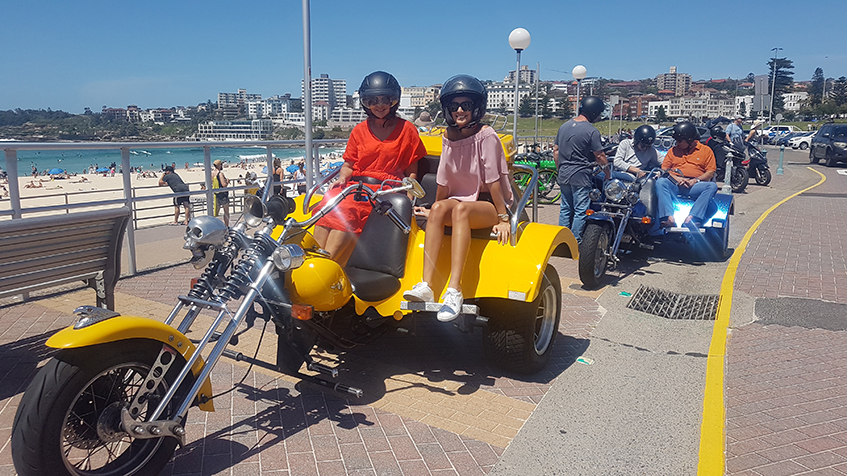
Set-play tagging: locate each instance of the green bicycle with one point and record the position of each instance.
(548, 191)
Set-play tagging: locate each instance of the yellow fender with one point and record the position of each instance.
(127, 327)
(491, 269)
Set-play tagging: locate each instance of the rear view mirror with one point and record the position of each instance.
(417, 191)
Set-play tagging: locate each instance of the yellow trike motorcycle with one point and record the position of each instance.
(115, 398)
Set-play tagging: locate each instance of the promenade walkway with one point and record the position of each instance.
(433, 407)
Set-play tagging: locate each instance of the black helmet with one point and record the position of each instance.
(718, 133)
(592, 107)
(380, 83)
(464, 85)
(644, 134)
(685, 131)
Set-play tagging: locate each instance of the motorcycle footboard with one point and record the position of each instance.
(468, 318)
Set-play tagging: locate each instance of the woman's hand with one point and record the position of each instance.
(502, 230)
(421, 212)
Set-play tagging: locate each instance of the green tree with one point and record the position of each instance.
(661, 116)
(546, 112)
(839, 92)
(816, 88)
(742, 108)
(784, 80)
(527, 106)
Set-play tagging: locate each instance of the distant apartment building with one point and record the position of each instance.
(639, 106)
(793, 101)
(346, 117)
(502, 95)
(113, 113)
(324, 88)
(527, 75)
(679, 83)
(239, 98)
(703, 105)
(747, 102)
(257, 129)
(271, 107)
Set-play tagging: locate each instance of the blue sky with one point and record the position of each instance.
(152, 53)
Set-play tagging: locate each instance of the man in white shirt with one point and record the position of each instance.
(636, 156)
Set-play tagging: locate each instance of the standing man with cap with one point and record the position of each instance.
(219, 180)
(734, 131)
(173, 180)
(577, 149)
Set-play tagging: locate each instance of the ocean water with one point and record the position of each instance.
(78, 161)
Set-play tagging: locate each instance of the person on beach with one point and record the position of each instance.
(473, 190)
(382, 147)
(173, 180)
(277, 175)
(219, 180)
(300, 174)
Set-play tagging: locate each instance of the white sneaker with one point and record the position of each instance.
(420, 292)
(452, 305)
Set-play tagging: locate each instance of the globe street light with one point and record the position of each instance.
(578, 73)
(773, 83)
(518, 40)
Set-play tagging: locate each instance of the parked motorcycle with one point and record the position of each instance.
(757, 164)
(115, 397)
(624, 216)
(726, 154)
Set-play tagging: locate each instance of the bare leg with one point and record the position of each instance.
(340, 245)
(187, 214)
(176, 213)
(226, 214)
(465, 217)
(439, 216)
(321, 233)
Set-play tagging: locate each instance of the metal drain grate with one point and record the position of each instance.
(674, 306)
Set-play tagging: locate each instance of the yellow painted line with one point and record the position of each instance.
(712, 460)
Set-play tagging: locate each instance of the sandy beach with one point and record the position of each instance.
(45, 191)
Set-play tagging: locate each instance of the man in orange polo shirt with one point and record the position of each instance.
(696, 163)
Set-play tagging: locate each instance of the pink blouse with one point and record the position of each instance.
(469, 165)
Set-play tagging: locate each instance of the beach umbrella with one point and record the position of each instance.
(103, 169)
(291, 168)
(265, 169)
(56, 171)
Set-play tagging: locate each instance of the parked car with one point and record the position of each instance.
(783, 140)
(773, 133)
(802, 142)
(829, 144)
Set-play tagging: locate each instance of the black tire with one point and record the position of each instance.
(548, 182)
(739, 179)
(803, 146)
(763, 176)
(594, 253)
(717, 240)
(829, 160)
(520, 335)
(56, 423)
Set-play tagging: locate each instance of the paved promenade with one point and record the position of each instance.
(433, 407)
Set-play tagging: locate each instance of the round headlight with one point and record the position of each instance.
(594, 195)
(289, 257)
(615, 190)
(632, 198)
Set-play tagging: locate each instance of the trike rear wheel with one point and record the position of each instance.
(520, 335)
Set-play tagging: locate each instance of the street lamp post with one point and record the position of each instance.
(519, 41)
(773, 84)
(578, 73)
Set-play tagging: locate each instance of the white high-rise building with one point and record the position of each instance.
(333, 91)
(237, 99)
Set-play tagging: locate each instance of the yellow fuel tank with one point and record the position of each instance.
(321, 283)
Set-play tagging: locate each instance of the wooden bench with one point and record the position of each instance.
(44, 252)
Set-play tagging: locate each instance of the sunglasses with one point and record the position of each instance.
(466, 106)
(371, 101)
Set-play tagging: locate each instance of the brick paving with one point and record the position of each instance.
(786, 387)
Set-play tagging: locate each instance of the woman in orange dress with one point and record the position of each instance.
(382, 147)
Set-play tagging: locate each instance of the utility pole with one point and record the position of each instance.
(773, 84)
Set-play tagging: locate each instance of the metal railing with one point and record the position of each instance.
(130, 198)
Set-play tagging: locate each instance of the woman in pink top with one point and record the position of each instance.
(473, 190)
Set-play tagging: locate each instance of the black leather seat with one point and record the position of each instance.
(379, 259)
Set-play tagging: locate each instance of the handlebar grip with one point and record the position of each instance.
(398, 221)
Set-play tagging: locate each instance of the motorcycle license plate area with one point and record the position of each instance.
(720, 208)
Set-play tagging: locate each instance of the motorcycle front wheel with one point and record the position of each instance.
(739, 179)
(763, 176)
(594, 253)
(68, 421)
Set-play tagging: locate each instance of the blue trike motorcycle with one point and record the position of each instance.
(623, 217)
